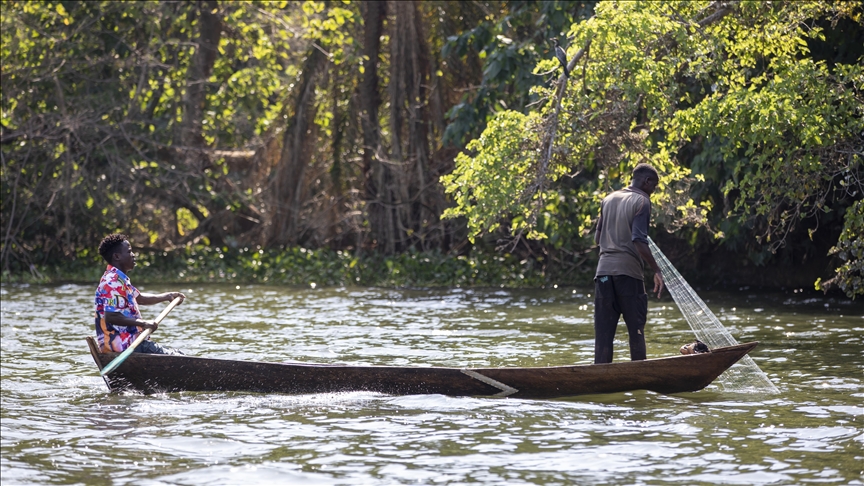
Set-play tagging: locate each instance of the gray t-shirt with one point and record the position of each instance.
(624, 218)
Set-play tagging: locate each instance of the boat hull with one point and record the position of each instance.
(149, 373)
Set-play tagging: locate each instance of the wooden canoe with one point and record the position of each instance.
(152, 373)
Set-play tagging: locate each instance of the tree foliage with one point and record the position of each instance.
(94, 106)
(507, 39)
(331, 124)
(850, 249)
(658, 81)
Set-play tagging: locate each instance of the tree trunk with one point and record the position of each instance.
(67, 247)
(209, 34)
(409, 99)
(192, 145)
(377, 174)
(288, 180)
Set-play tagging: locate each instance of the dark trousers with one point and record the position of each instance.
(149, 346)
(615, 295)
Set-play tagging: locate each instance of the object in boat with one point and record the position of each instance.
(696, 347)
(158, 373)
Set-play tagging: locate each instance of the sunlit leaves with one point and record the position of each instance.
(783, 112)
(489, 184)
(655, 80)
(120, 69)
(186, 221)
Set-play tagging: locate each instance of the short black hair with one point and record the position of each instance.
(109, 245)
(644, 170)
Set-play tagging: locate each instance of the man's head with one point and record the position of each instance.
(117, 251)
(645, 178)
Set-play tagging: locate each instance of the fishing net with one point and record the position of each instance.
(745, 375)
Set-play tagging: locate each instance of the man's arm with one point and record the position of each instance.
(599, 229)
(118, 319)
(639, 229)
(150, 299)
(646, 255)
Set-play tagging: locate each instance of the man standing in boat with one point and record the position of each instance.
(118, 320)
(622, 234)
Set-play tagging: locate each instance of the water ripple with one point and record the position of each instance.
(60, 425)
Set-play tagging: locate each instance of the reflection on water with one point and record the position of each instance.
(60, 424)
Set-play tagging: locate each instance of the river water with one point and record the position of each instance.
(60, 425)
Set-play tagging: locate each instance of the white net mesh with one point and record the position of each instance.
(745, 375)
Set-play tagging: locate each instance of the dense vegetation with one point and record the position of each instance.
(317, 268)
(203, 128)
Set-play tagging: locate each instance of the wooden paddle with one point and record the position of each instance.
(141, 337)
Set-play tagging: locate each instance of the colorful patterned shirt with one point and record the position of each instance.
(116, 294)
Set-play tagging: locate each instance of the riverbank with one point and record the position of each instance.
(307, 267)
(303, 267)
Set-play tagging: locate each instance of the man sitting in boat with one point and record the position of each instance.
(118, 320)
(622, 233)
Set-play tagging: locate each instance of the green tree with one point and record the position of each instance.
(648, 80)
(329, 124)
(111, 122)
(498, 44)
